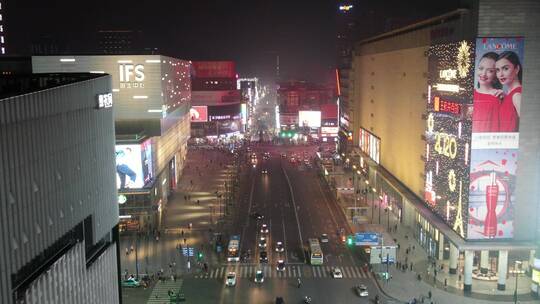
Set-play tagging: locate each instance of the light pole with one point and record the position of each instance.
(373, 191)
(380, 203)
(388, 209)
(516, 263)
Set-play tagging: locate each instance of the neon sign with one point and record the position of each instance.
(441, 105)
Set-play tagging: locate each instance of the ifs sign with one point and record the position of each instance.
(131, 76)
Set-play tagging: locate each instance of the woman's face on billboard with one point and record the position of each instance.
(506, 71)
(486, 71)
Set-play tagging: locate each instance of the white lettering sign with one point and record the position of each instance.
(448, 74)
(104, 101)
(131, 76)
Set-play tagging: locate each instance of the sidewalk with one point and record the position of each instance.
(404, 286)
(200, 201)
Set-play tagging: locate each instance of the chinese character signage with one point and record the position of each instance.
(495, 137)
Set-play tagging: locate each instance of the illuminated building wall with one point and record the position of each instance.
(389, 82)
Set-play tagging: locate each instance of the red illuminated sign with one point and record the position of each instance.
(199, 114)
(440, 105)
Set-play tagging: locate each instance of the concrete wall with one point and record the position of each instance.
(499, 18)
(390, 78)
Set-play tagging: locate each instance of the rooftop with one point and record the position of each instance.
(14, 85)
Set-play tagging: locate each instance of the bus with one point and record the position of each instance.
(233, 250)
(315, 252)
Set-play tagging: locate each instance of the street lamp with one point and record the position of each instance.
(380, 201)
(388, 209)
(516, 263)
(373, 191)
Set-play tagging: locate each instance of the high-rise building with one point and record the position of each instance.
(152, 95)
(463, 177)
(3, 48)
(58, 210)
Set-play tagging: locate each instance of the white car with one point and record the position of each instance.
(264, 228)
(231, 279)
(362, 291)
(279, 247)
(337, 274)
(324, 238)
(264, 171)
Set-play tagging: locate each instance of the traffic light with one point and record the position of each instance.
(199, 256)
(349, 240)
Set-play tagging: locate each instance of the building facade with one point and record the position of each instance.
(467, 190)
(152, 96)
(307, 110)
(217, 107)
(58, 200)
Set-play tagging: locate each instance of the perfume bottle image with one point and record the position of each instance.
(492, 195)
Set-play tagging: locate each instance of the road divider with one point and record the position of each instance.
(295, 209)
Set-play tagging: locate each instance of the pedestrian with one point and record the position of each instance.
(459, 277)
(445, 283)
(127, 251)
(411, 266)
(299, 283)
(185, 241)
(198, 202)
(413, 248)
(429, 294)
(182, 231)
(435, 272)
(191, 182)
(422, 299)
(132, 248)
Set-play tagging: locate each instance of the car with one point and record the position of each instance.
(231, 279)
(259, 276)
(264, 171)
(257, 216)
(280, 265)
(131, 282)
(279, 247)
(283, 155)
(263, 257)
(262, 242)
(362, 291)
(337, 274)
(264, 228)
(279, 300)
(324, 238)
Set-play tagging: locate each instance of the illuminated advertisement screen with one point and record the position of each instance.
(495, 137)
(134, 165)
(370, 144)
(310, 119)
(448, 133)
(199, 113)
(243, 112)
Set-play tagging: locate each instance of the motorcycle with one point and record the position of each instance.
(307, 300)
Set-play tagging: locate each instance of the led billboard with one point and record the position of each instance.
(199, 113)
(495, 137)
(449, 100)
(134, 165)
(310, 119)
(370, 144)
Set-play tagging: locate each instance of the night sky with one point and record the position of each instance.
(252, 33)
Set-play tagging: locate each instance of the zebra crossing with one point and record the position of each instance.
(160, 291)
(291, 271)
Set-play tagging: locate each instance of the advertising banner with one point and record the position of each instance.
(370, 144)
(228, 112)
(366, 239)
(310, 119)
(199, 113)
(495, 137)
(214, 69)
(448, 132)
(133, 165)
